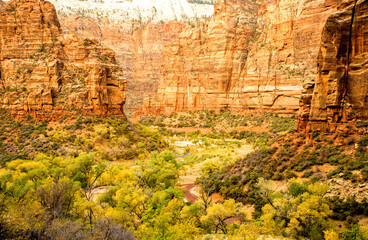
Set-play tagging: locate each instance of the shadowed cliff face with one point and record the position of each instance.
(340, 94)
(47, 73)
(247, 57)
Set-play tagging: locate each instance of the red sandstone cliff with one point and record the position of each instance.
(263, 58)
(47, 73)
(200, 68)
(137, 35)
(340, 93)
(138, 49)
(267, 66)
(149, 43)
(247, 57)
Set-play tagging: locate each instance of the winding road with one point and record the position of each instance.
(189, 196)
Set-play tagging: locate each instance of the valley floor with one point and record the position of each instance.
(239, 178)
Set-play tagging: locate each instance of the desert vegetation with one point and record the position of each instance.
(106, 178)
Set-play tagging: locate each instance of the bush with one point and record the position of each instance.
(353, 233)
(350, 141)
(363, 141)
(308, 173)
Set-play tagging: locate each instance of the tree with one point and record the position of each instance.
(57, 196)
(87, 170)
(170, 221)
(159, 172)
(132, 200)
(218, 213)
(331, 235)
(353, 233)
(247, 231)
(302, 211)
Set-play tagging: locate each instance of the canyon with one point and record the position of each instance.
(136, 35)
(183, 119)
(305, 57)
(47, 73)
(246, 58)
(280, 56)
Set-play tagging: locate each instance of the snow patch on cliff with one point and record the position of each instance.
(139, 10)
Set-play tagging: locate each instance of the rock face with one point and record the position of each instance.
(138, 49)
(200, 68)
(128, 11)
(47, 73)
(340, 93)
(247, 57)
(149, 42)
(136, 30)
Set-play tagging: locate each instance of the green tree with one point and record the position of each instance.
(354, 233)
(160, 172)
(301, 212)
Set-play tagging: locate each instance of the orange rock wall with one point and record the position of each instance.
(340, 94)
(47, 73)
(247, 57)
(138, 49)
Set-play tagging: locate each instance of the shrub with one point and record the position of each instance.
(363, 141)
(350, 141)
(308, 173)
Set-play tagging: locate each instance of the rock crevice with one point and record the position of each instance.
(339, 95)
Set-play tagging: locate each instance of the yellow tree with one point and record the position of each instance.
(218, 213)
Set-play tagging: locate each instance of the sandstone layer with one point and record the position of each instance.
(340, 94)
(47, 73)
(136, 36)
(247, 57)
(138, 49)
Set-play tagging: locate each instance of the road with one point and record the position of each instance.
(189, 196)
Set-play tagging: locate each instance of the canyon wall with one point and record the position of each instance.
(138, 49)
(135, 34)
(47, 73)
(340, 94)
(247, 57)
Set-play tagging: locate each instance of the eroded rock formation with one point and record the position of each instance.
(200, 68)
(149, 43)
(47, 73)
(138, 49)
(247, 57)
(340, 94)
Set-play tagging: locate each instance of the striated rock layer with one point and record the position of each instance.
(340, 94)
(247, 57)
(47, 73)
(149, 42)
(138, 49)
